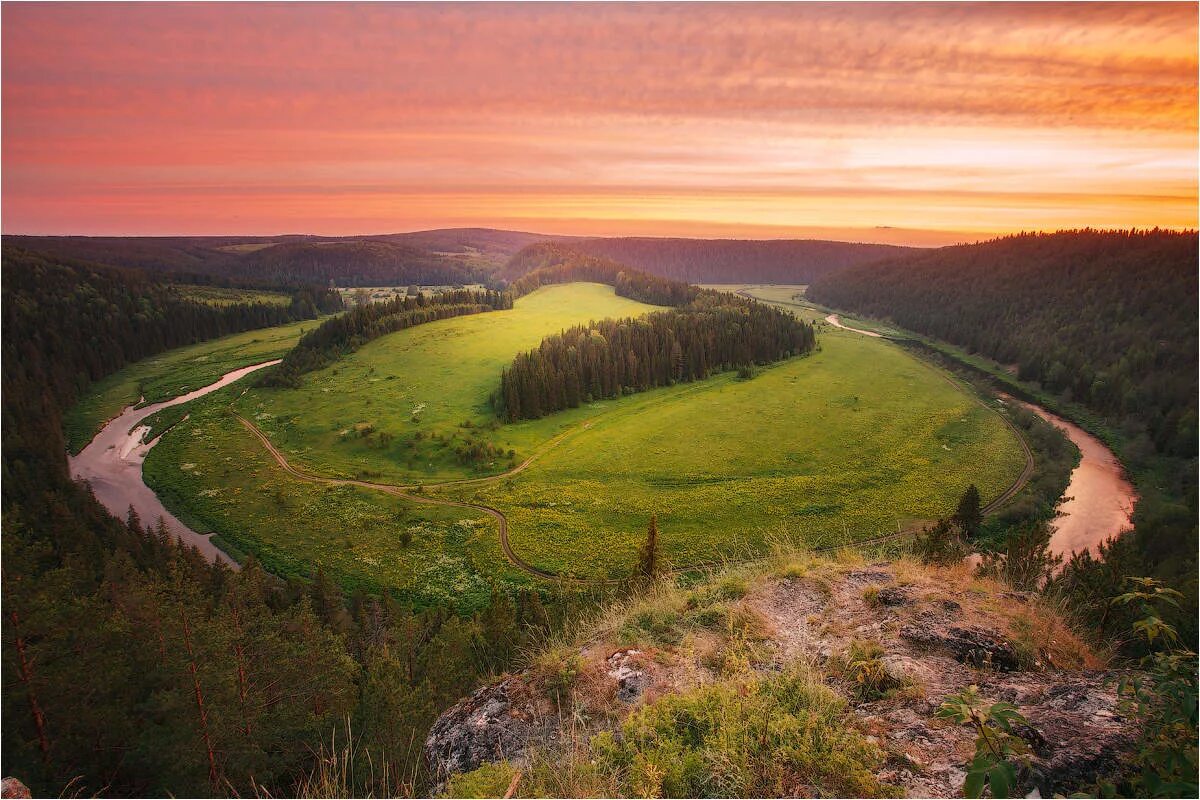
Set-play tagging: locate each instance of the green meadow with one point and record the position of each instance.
(397, 409)
(221, 296)
(217, 477)
(851, 442)
(174, 373)
(848, 443)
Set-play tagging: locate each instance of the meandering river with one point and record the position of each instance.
(112, 464)
(1098, 502)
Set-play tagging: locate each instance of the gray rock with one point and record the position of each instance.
(487, 726)
(972, 645)
(11, 787)
(894, 596)
(631, 681)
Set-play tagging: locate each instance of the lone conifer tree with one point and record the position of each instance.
(969, 516)
(648, 556)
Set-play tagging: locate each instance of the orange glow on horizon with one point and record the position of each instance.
(922, 124)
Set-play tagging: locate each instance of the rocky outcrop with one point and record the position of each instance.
(931, 646)
(11, 787)
(496, 722)
(972, 645)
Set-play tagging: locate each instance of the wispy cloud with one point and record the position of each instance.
(258, 118)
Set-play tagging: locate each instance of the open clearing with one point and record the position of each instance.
(174, 373)
(397, 408)
(220, 296)
(841, 445)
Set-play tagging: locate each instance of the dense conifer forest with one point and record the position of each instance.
(725, 260)
(1104, 320)
(714, 333)
(134, 667)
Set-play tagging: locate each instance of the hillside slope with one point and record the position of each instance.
(735, 261)
(1105, 318)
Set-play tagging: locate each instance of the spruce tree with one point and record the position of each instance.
(648, 556)
(969, 515)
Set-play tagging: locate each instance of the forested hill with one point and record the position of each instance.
(728, 260)
(1107, 319)
(453, 256)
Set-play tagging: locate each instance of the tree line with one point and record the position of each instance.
(714, 333)
(551, 262)
(347, 332)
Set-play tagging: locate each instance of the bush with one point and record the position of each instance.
(780, 736)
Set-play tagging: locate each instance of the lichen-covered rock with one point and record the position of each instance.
(11, 787)
(631, 681)
(496, 722)
(972, 645)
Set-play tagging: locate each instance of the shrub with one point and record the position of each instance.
(866, 672)
(777, 736)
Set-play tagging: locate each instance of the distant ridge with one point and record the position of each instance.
(452, 256)
(731, 260)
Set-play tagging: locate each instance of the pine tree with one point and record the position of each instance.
(648, 555)
(969, 515)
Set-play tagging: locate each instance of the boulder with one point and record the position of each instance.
(11, 787)
(972, 645)
(496, 722)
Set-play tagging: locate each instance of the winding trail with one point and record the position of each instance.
(836, 321)
(406, 492)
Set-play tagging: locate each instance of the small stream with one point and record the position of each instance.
(112, 464)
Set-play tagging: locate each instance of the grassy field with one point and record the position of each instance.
(216, 477)
(220, 296)
(846, 444)
(398, 408)
(174, 373)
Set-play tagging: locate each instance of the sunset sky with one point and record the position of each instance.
(911, 123)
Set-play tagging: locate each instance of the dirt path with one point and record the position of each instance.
(835, 321)
(406, 491)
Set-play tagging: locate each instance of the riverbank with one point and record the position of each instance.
(112, 464)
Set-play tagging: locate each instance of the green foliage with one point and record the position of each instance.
(769, 737)
(940, 543)
(1163, 705)
(866, 672)
(1001, 757)
(489, 780)
(555, 670)
(1027, 562)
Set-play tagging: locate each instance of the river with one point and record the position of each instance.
(1098, 502)
(112, 464)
